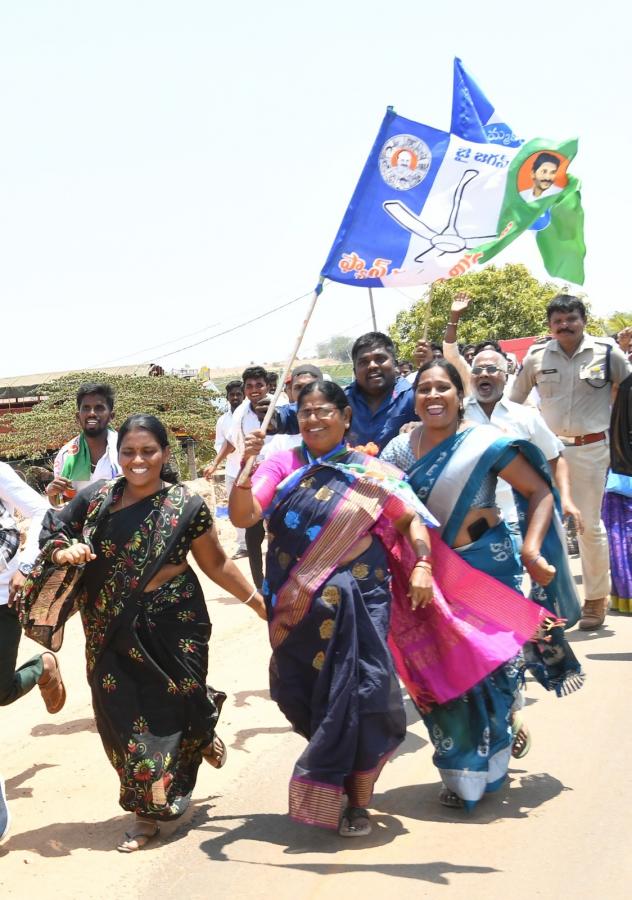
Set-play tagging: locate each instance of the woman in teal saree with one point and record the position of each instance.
(453, 469)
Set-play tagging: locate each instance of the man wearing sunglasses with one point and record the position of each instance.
(488, 404)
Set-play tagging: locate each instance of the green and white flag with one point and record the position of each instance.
(542, 195)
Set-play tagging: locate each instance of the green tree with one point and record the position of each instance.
(336, 347)
(183, 406)
(617, 321)
(508, 303)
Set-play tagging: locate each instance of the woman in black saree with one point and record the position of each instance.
(146, 624)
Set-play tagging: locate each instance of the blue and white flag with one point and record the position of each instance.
(474, 116)
(424, 201)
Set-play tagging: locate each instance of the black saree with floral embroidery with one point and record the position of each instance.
(146, 652)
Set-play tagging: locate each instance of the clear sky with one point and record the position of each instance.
(170, 169)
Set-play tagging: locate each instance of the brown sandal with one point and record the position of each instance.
(216, 753)
(53, 690)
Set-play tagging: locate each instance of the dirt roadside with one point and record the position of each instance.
(557, 828)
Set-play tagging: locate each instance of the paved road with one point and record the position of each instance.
(559, 827)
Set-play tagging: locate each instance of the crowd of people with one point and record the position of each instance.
(414, 523)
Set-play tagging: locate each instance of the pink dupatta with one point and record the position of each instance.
(474, 625)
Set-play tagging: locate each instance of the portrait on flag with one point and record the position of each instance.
(424, 200)
(542, 175)
(433, 205)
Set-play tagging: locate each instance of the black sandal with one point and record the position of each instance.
(450, 799)
(141, 834)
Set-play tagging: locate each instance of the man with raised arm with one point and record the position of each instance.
(489, 405)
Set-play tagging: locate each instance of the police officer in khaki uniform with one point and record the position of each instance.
(574, 374)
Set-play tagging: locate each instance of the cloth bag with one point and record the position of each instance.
(49, 596)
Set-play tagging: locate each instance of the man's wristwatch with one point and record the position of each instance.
(25, 568)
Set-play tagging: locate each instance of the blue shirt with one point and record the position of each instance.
(378, 426)
(286, 420)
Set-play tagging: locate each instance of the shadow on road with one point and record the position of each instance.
(227, 600)
(14, 791)
(434, 872)
(294, 838)
(61, 838)
(515, 800)
(240, 698)
(577, 637)
(245, 734)
(412, 742)
(611, 657)
(64, 728)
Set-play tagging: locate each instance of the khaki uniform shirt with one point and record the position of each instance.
(574, 391)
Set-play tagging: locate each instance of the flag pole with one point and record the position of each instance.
(245, 472)
(372, 309)
(428, 313)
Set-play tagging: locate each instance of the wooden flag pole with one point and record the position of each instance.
(428, 313)
(372, 309)
(245, 472)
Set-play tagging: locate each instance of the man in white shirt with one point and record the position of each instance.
(244, 421)
(92, 454)
(488, 405)
(223, 428)
(15, 494)
(14, 566)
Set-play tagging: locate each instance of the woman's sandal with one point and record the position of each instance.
(53, 690)
(521, 737)
(139, 836)
(450, 799)
(216, 753)
(355, 822)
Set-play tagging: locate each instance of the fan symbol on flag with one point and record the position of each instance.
(447, 240)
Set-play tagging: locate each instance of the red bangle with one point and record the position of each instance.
(424, 559)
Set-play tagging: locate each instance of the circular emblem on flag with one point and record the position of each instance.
(404, 161)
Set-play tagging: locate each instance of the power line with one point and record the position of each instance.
(180, 337)
(234, 327)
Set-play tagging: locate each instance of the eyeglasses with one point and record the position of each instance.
(321, 413)
(491, 370)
